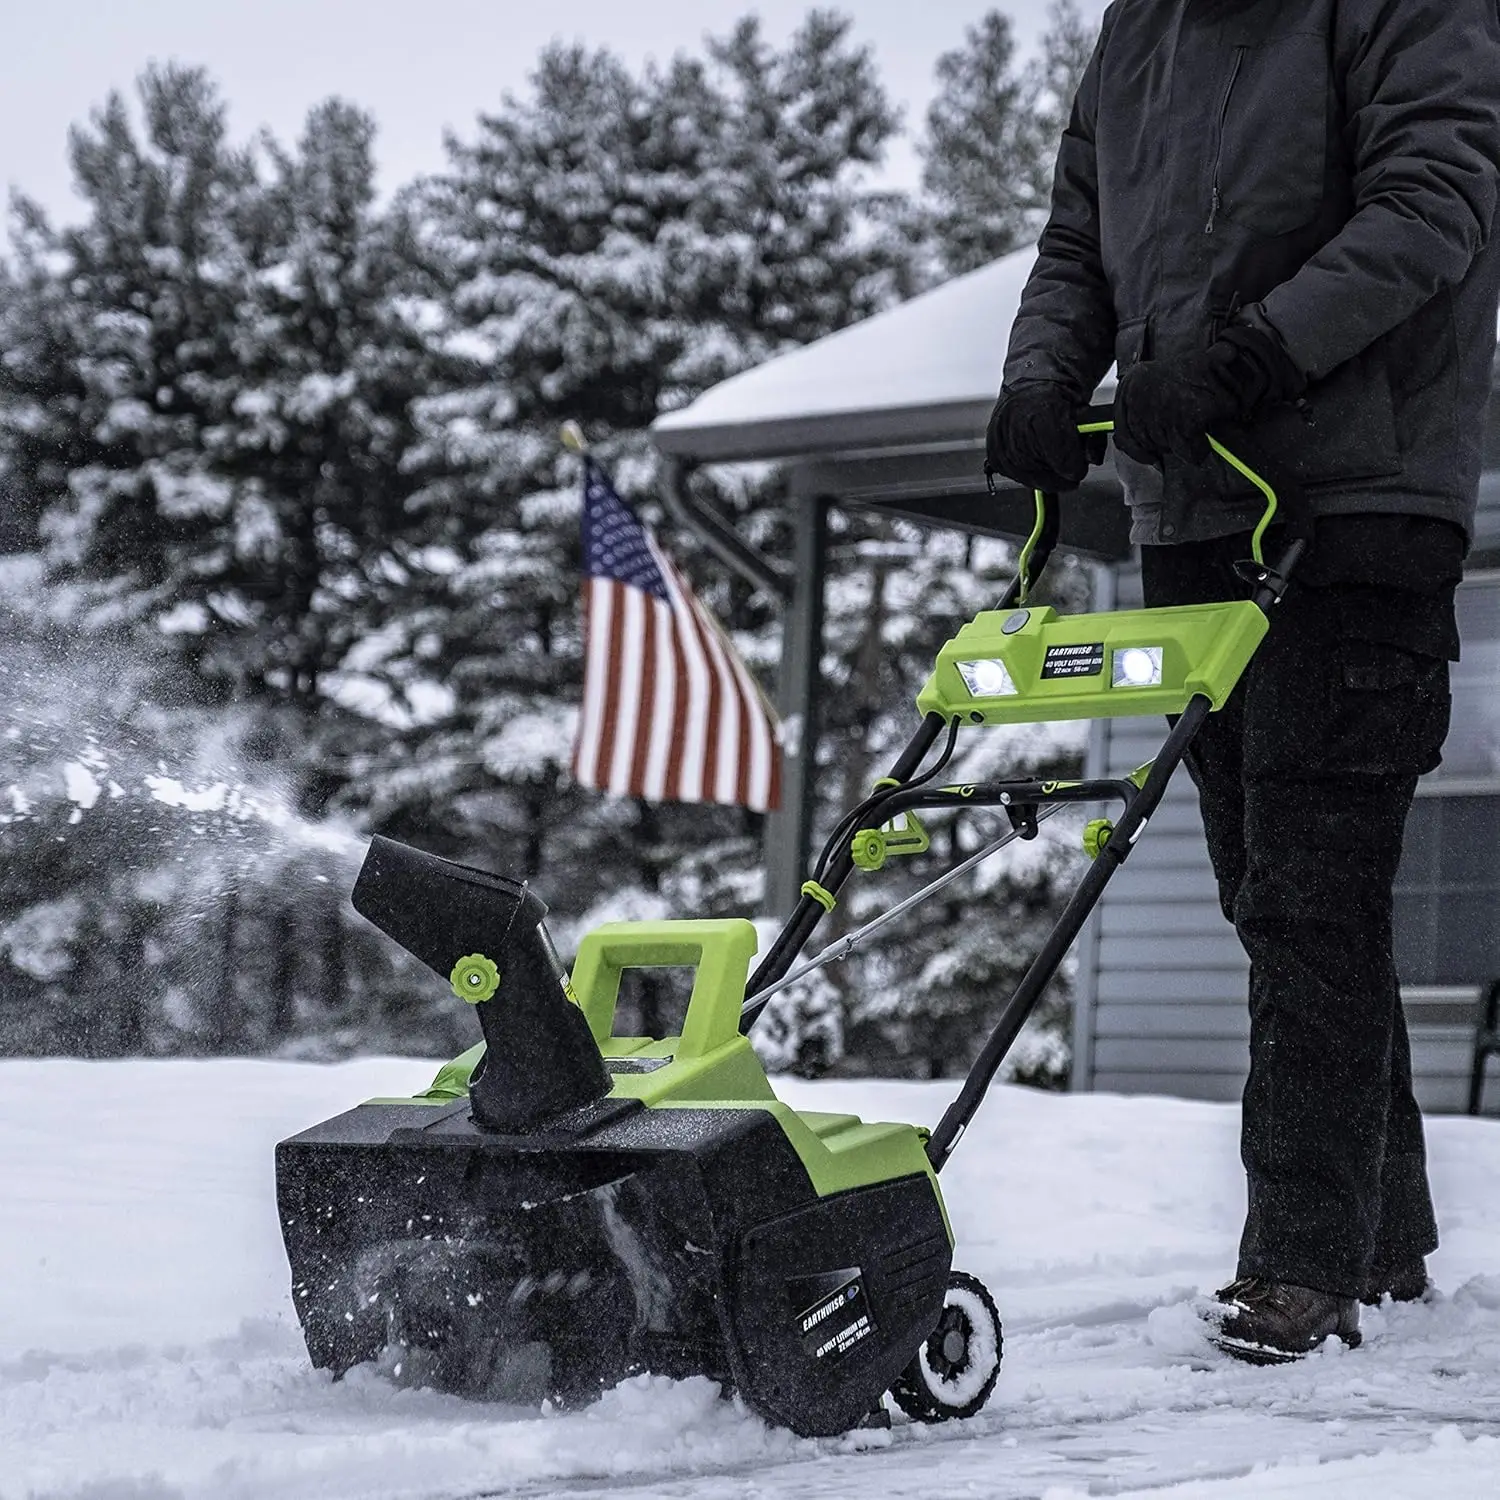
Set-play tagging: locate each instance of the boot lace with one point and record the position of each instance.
(1249, 1291)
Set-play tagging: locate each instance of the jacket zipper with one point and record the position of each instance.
(1234, 73)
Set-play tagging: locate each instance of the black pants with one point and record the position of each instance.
(1305, 778)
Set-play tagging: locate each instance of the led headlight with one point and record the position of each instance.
(986, 679)
(1137, 666)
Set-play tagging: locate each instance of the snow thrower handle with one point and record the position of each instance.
(1286, 502)
(1268, 583)
(719, 951)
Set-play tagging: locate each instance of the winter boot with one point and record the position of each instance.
(1272, 1323)
(1407, 1282)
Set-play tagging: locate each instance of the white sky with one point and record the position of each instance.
(418, 66)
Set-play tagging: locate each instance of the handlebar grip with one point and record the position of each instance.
(1286, 499)
(719, 950)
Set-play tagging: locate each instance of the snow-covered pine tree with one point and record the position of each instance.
(980, 169)
(789, 239)
(203, 408)
(992, 134)
(124, 357)
(543, 231)
(314, 449)
(1066, 46)
(133, 359)
(332, 358)
(615, 243)
(33, 366)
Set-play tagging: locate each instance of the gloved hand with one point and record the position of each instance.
(1168, 406)
(1033, 438)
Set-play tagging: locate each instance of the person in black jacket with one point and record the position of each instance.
(1275, 217)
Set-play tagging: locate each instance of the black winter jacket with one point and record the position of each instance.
(1330, 164)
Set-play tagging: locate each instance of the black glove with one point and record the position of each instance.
(1168, 406)
(1033, 438)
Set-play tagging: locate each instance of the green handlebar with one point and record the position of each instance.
(1105, 426)
(1260, 483)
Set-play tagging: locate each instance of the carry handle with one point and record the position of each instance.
(719, 950)
(1290, 503)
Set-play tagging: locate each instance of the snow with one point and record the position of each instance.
(148, 1352)
(947, 345)
(81, 787)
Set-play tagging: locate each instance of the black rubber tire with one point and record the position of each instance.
(925, 1389)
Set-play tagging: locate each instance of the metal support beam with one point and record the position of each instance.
(720, 537)
(945, 488)
(789, 832)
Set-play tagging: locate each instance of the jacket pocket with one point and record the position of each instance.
(1271, 135)
(1348, 430)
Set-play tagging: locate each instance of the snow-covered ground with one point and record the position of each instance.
(148, 1352)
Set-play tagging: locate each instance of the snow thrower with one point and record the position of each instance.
(566, 1207)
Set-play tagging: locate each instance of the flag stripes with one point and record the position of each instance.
(670, 711)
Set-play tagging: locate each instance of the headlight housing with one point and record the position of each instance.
(1136, 666)
(987, 679)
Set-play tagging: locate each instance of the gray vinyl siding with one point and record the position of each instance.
(1161, 988)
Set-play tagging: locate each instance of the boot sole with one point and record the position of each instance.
(1265, 1354)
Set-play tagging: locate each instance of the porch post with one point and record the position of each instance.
(789, 831)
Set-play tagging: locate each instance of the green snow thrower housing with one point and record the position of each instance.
(565, 1207)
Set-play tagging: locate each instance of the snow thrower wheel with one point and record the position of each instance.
(955, 1370)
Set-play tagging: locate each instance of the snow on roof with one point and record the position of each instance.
(942, 350)
(924, 372)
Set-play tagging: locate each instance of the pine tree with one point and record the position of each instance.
(204, 411)
(1067, 45)
(992, 134)
(123, 358)
(314, 448)
(791, 241)
(615, 243)
(135, 359)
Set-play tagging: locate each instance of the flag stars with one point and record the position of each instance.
(615, 546)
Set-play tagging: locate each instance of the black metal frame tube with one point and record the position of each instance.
(1015, 794)
(1045, 965)
(808, 911)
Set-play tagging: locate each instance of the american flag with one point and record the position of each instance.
(670, 712)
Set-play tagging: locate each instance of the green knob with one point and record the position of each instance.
(868, 849)
(475, 978)
(1096, 836)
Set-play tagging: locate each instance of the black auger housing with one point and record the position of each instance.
(566, 1207)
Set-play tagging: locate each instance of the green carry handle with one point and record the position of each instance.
(720, 951)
